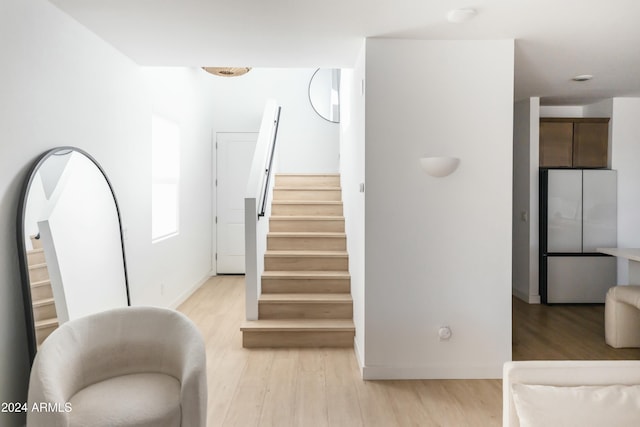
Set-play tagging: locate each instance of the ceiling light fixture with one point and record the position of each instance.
(458, 16)
(227, 71)
(582, 78)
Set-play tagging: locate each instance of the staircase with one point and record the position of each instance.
(44, 308)
(306, 299)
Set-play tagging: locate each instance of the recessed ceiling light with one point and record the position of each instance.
(457, 16)
(582, 78)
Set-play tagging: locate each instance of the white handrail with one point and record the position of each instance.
(259, 186)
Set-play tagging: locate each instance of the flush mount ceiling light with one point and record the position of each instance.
(457, 16)
(582, 78)
(227, 71)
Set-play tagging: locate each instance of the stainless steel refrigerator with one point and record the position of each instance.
(578, 214)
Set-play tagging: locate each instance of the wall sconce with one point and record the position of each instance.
(439, 166)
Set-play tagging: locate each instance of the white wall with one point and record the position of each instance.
(438, 251)
(168, 271)
(625, 137)
(306, 142)
(352, 153)
(525, 200)
(62, 85)
(562, 111)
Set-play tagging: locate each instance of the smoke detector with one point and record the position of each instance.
(457, 16)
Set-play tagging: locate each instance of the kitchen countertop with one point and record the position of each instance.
(628, 253)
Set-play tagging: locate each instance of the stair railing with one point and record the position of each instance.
(267, 172)
(256, 206)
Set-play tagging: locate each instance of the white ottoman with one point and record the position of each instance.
(622, 316)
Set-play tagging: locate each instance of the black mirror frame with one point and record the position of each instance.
(22, 252)
(311, 101)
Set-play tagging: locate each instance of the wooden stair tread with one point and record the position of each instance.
(301, 187)
(306, 202)
(298, 325)
(36, 266)
(307, 274)
(306, 217)
(42, 302)
(46, 323)
(332, 174)
(336, 234)
(35, 251)
(306, 298)
(40, 283)
(305, 253)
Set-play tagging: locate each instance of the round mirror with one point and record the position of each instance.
(324, 93)
(70, 241)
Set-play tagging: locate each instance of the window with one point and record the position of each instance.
(165, 178)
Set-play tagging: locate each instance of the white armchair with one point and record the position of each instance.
(133, 366)
(571, 393)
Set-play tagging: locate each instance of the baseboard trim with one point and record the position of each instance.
(359, 356)
(432, 372)
(188, 292)
(531, 299)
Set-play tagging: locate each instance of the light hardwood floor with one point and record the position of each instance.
(322, 387)
(317, 387)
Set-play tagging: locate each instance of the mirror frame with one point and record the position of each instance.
(311, 100)
(22, 250)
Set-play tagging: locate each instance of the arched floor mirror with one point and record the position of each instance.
(70, 243)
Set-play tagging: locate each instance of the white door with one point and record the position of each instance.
(234, 155)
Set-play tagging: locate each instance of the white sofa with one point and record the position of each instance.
(571, 393)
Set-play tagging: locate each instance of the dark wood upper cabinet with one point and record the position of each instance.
(556, 144)
(574, 142)
(590, 145)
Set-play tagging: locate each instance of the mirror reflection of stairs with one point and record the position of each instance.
(306, 297)
(44, 309)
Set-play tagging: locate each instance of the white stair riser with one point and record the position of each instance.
(309, 225)
(312, 286)
(308, 180)
(283, 243)
(328, 195)
(312, 263)
(306, 209)
(257, 339)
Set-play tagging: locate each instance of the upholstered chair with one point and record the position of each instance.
(133, 366)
